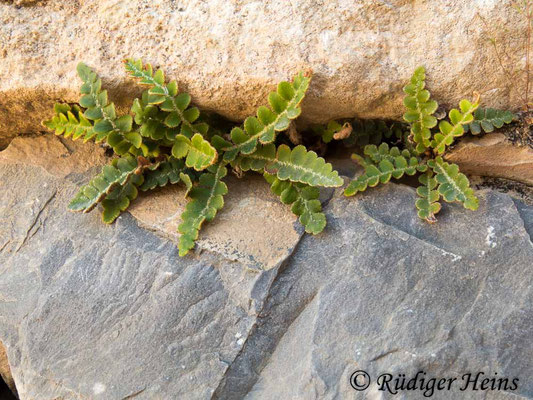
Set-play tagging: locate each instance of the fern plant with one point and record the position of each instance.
(423, 149)
(166, 140)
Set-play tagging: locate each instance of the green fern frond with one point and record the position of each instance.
(383, 152)
(206, 199)
(285, 104)
(304, 200)
(199, 152)
(120, 198)
(428, 205)
(487, 119)
(453, 185)
(112, 176)
(385, 167)
(69, 121)
(419, 110)
(166, 172)
(296, 165)
(151, 121)
(166, 96)
(187, 180)
(458, 118)
(116, 131)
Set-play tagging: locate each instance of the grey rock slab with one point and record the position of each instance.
(105, 312)
(384, 292)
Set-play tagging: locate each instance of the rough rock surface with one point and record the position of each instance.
(229, 54)
(493, 155)
(91, 311)
(251, 216)
(5, 371)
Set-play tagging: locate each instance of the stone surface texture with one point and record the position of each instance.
(230, 54)
(112, 312)
(494, 155)
(5, 370)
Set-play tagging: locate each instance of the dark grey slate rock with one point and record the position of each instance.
(383, 292)
(107, 312)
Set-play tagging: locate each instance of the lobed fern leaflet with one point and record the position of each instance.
(420, 110)
(69, 121)
(166, 96)
(383, 168)
(296, 165)
(116, 131)
(449, 131)
(190, 142)
(453, 185)
(428, 204)
(285, 106)
(120, 198)
(163, 173)
(112, 176)
(206, 199)
(304, 201)
(488, 119)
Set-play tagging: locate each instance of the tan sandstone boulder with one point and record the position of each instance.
(229, 54)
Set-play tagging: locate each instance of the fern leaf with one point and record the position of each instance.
(304, 200)
(428, 205)
(116, 131)
(458, 118)
(488, 119)
(120, 198)
(166, 96)
(419, 110)
(453, 185)
(382, 167)
(166, 172)
(199, 152)
(112, 176)
(296, 165)
(69, 121)
(206, 199)
(186, 179)
(376, 154)
(285, 106)
(151, 121)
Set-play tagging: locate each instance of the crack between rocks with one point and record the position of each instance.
(282, 266)
(520, 214)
